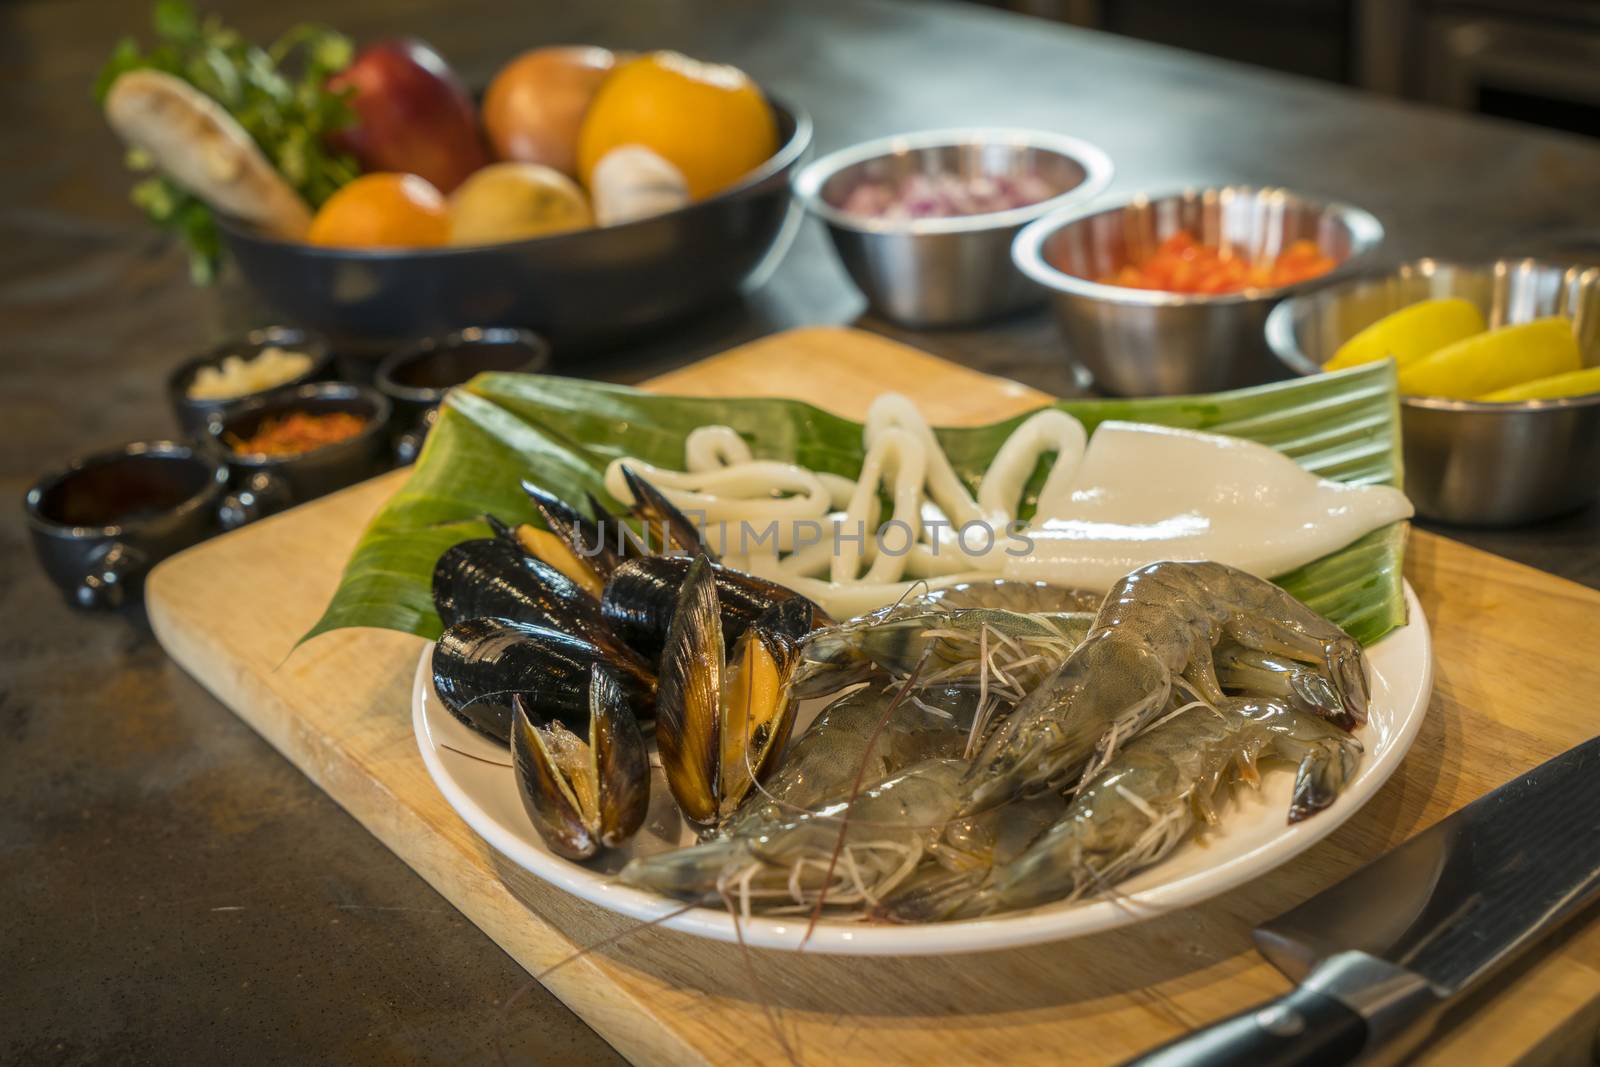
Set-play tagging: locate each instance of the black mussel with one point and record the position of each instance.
(488, 576)
(479, 664)
(663, 523)
(640, 598)
(498, 577)
(585, 549)
(721, 720)
(630, 547)
(588, 791)
(791, 619)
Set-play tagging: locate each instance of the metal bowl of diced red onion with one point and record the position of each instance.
(923, 222)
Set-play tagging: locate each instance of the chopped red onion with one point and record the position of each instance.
(933, 196)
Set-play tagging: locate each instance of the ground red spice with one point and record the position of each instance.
(299, 431)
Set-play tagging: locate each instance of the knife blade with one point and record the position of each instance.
(1379, 954)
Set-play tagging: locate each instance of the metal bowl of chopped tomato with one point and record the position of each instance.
(1169, 294)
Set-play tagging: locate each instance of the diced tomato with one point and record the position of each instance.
(1181, 264)
(1176, 245)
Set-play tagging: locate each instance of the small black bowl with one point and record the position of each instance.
(417, 377)
(583, 289)
(192, 414)
(264, 484)
(103, 521)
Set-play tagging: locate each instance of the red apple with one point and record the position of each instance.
(412, 114)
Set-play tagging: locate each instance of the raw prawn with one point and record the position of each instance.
(1158, 627)
(850, 855)
(1146, 801)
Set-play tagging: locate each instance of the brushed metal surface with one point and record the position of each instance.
(1468, 462)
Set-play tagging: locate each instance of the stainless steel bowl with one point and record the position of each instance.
(1138, 342)
(1467, 462)
(946, 271)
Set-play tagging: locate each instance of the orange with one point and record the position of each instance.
(383, 211)
(708, 120)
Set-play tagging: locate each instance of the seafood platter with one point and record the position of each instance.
(343, 706)
(748, 670)
(955, 668)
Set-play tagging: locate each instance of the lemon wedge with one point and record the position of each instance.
(1495, 360)
(1573, 383)
(1411, 333)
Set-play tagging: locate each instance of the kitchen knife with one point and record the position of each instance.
(1379, 954)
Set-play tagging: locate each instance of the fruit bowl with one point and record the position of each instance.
(583, 290)
(1467, 461)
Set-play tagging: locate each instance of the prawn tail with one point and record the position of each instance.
(1321, 777)
(1348, 670)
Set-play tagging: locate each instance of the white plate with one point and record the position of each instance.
(475, 777)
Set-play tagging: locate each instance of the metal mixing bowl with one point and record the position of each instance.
(585, 289)
(1138, 342)
(1468, 462)
(953, 271)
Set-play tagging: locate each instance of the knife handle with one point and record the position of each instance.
(1303, 1028)
(1351, 1007)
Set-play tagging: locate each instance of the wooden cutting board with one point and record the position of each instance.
(1517, 673)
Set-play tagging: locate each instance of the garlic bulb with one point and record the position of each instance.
(631, 182)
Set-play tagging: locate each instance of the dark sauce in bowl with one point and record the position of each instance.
(122, 490)
(445, 367)
(419, 376)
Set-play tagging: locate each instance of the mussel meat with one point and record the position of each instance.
(499, 578)
(587, 792)
(584, 549)
(642, 594)
(721, 720)
(479, 664)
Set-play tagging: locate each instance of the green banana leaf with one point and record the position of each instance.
(562, 432)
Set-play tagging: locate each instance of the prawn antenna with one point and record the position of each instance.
(469, 755)
(756, 983)
(538, 978)
(855, 791)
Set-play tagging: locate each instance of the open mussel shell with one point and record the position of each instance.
(721, 722)
(790, 619)
(585, 549)
(758, 705)
(608, 521)
(479, 664)
(583, 793)
(689, 695)
(662, 519)
(498, 578)
(642, 595)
